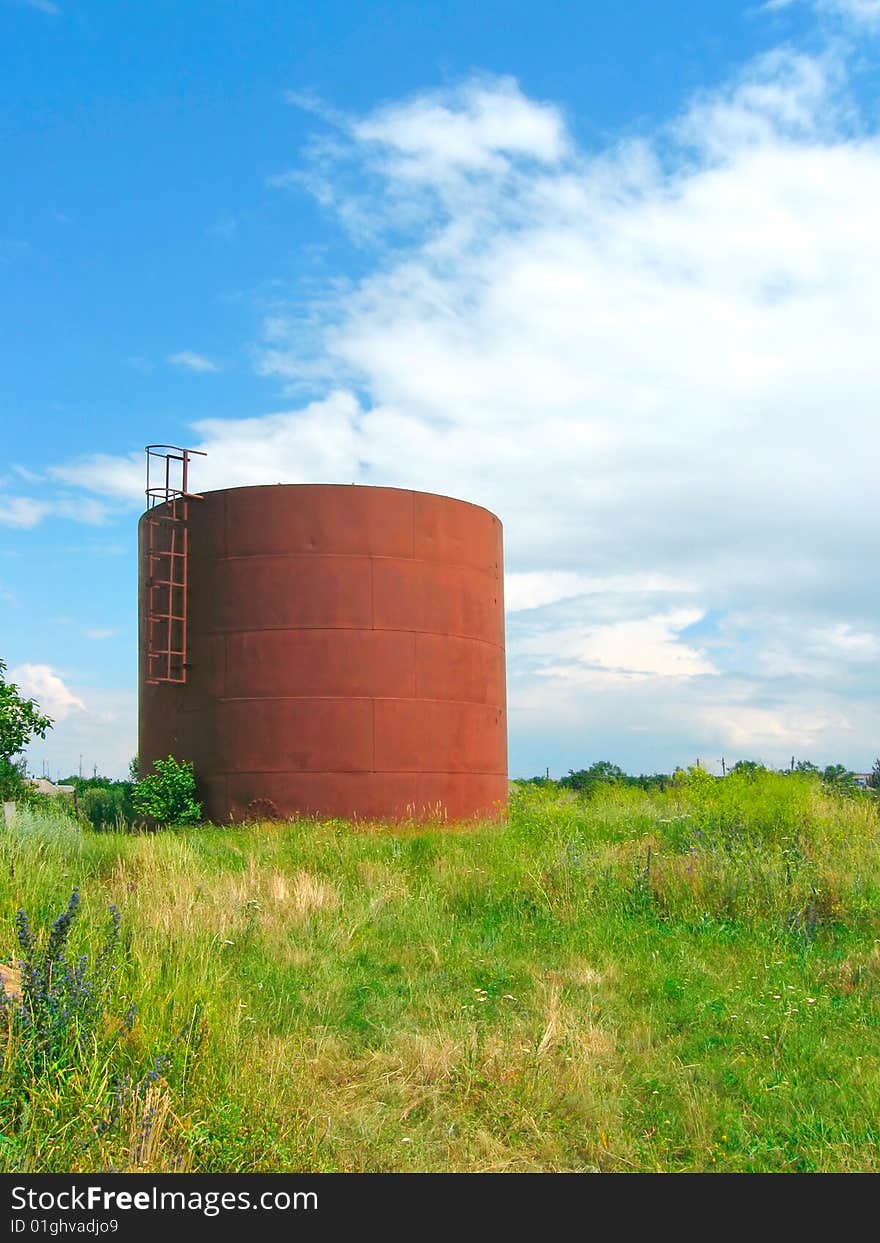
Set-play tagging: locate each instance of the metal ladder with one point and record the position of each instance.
(167, 575)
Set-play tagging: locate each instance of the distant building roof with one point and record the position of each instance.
(43, 786)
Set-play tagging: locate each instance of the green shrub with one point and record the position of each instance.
(20, 722)
(168, 795)
(11, 778)
(108, 806)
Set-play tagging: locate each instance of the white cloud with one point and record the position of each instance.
(22, 511)
(83, 509)
(476, 128)
(781, 96)
(765, 731)
(104, 735)
(43, 6)
(858, 13)
(100, 633)
(291, 447)
(865, 12)
(26, 511)
(842, 638)
(191, 361)
(121, 478)
(90, 723)
(640, 647)
(322, 439)
(657, 364)
(538, 588)
(42, 683)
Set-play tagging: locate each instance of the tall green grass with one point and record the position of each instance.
(685, 980)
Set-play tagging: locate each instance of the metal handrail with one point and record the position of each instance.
(159, 494)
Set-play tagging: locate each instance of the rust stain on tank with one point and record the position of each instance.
(345, 655)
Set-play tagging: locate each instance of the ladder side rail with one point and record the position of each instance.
(168, 564)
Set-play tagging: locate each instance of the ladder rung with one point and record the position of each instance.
(166, 551)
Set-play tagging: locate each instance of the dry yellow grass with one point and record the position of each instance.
(310, 894)
(10, 978)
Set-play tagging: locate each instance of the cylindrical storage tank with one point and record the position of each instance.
(345, 655)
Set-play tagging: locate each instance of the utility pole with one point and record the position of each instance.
(723, 767)
(80, 767)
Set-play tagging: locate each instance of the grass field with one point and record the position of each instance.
(687, 980)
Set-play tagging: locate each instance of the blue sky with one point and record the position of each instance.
(608, 269)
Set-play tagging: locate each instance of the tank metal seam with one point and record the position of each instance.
(357, 556)
(360, 772)
(373, 699)
(441, 634)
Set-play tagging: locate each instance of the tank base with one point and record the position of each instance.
(445, 797)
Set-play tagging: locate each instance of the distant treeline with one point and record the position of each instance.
(105, 803)
(604, 773)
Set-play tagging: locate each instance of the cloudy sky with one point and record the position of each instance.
(609, 270)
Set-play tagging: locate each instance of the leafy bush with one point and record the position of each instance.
(839, 779)
(168, 795)
(20, 719)
(108, 806)
(102, 802)
(11, 778)
(750, 806)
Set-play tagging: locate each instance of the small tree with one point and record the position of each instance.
(20, 721)
(168, 795)
(838, 777)
(587, 780)
(874, 779)
(748, 768)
